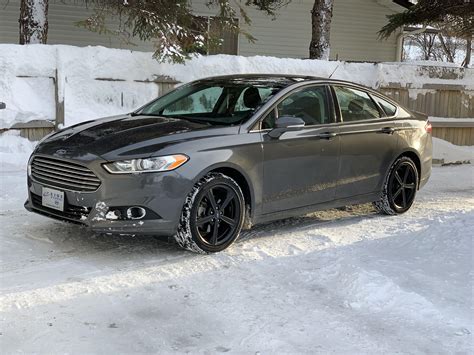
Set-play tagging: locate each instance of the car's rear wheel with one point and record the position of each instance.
(212, 215)
(400, 188)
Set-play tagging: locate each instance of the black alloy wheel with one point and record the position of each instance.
(400, 188)
(212, 216)
(217, 215)
(403, 186)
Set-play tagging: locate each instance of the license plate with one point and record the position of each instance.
(53, 199)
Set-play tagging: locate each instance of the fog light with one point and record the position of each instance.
(136, 212)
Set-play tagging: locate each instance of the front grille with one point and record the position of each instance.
(70, 211)
(62, 174)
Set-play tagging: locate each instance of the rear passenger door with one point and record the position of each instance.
(368, 141)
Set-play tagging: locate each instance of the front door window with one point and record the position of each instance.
(310, 104)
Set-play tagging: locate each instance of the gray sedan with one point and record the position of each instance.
(221, 154)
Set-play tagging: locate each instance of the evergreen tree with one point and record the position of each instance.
(171, 25)
(321, 17)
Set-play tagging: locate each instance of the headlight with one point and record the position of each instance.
(29, 165)
(155, 164)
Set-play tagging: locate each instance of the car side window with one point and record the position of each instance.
(250, 95)
(386, 106)
(355, 105)
(310, 104)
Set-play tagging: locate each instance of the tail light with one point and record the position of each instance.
(428, 127)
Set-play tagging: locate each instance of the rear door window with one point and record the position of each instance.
(386, 106)
(355, 105)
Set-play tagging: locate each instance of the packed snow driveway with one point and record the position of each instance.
(340, 280)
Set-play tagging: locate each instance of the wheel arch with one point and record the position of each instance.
(413, 155)
(240, 177)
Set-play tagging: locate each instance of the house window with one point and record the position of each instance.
(228, 43)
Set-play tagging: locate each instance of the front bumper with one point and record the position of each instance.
(161, 194)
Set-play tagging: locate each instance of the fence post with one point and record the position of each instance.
(59, 98)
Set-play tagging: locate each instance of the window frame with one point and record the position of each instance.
(370, 93)
(379, 109)
(397, 108)
(257, 125)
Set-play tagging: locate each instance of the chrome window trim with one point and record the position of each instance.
(304, 127)
(248, 127)
(397, 107)
(370, 92)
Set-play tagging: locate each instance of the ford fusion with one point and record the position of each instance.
(221, 154)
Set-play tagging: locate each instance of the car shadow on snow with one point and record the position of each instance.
(348, 214)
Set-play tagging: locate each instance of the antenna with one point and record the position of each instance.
(337, 67)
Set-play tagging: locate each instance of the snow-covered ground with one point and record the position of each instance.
(334, 281)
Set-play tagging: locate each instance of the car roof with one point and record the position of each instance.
(282, 80)
(274, 79)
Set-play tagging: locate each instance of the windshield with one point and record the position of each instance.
(225, 102)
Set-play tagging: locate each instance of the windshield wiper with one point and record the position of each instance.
(133, 114)
(192, 119)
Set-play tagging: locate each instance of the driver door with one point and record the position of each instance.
(300, 168)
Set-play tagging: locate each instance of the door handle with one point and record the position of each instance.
(388, 130)
(327, 135)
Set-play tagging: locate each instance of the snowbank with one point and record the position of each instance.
(29, 73)
(373, 75)
(432, 63)
(14, 151)
(451, 153)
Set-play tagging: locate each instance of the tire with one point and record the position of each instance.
(399, 188)
(212, 215)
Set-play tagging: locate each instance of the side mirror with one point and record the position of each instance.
(284, 124)
(2, 105)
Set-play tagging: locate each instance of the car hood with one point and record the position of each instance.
(122, 137)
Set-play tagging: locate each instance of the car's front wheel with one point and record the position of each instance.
(399, 189)
(212, 215)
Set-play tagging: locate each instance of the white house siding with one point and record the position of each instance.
(9, 27)
(62, 30)
(354, 31)
(286, 36)
(353, 34)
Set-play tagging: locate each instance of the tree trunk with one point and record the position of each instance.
(321, 16)
(446, 50)
(33, 21)
(467, 60)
